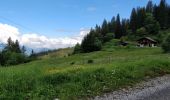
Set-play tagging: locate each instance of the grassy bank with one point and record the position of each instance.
(83, 75)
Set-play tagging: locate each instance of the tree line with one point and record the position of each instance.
(13, 54)
(144, 21)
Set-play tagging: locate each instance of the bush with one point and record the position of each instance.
(11, 58)
(72, 63)
(90, 61)
(166, 45)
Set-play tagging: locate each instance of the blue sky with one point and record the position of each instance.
(58, 23)
(59, 18)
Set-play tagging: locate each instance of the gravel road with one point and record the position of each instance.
(152, 89)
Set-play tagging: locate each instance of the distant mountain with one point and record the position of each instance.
(36, 50)
(2, 45)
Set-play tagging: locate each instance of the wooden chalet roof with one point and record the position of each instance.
(148, 38)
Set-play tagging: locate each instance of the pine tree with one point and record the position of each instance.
(77, 49)
(166, 45)
(23, 49)
(9, 41)
(156, 12)
(141, 15)
(112, 25)
(98, 31)
(10, 45)
(163, 14)
(32, 52)
(16, 47)
(149, 7)
(151, 25)
(141, 32)
(91, 43)
(168, 17)
(125, 25)
(105, 28)
(118, 28)
(133, 20)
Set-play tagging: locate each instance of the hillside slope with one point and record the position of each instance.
(82, 75)
(57, 53)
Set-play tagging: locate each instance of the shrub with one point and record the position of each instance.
(90, 61)
(11, 58)
(166, 45)
(72, 63)
(69, 54)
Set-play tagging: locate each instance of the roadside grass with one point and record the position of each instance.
(56, 77)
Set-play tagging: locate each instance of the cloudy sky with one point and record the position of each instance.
(57, 23)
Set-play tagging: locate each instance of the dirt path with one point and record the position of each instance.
(153, 89)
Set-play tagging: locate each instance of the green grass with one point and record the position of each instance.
(59, 77)
(59, 53)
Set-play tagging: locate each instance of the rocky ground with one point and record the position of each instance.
(152, 89)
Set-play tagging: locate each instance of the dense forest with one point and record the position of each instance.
(144, 21)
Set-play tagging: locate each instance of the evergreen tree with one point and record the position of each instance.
(97, 44)
(108, 37)
(118, 28)
(166, 45)
(168, 17)
(141, 32)
(149, 7)
(98, 32)
(105, 28)
(112, 25)
(133, 20)
(141, 15)
(10, 42)
(91, 43)
(32, 52)
(10, 45)
(151, 25)
(156, 12)
(23, 50)
(125, 25)
(77, 49)
(163, 14)
(16, 47)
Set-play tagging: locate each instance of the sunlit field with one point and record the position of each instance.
(83, 75)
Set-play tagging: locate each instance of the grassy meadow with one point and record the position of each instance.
(83, 75)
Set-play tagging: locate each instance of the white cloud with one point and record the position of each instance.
(33, 40)
(7, 31)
